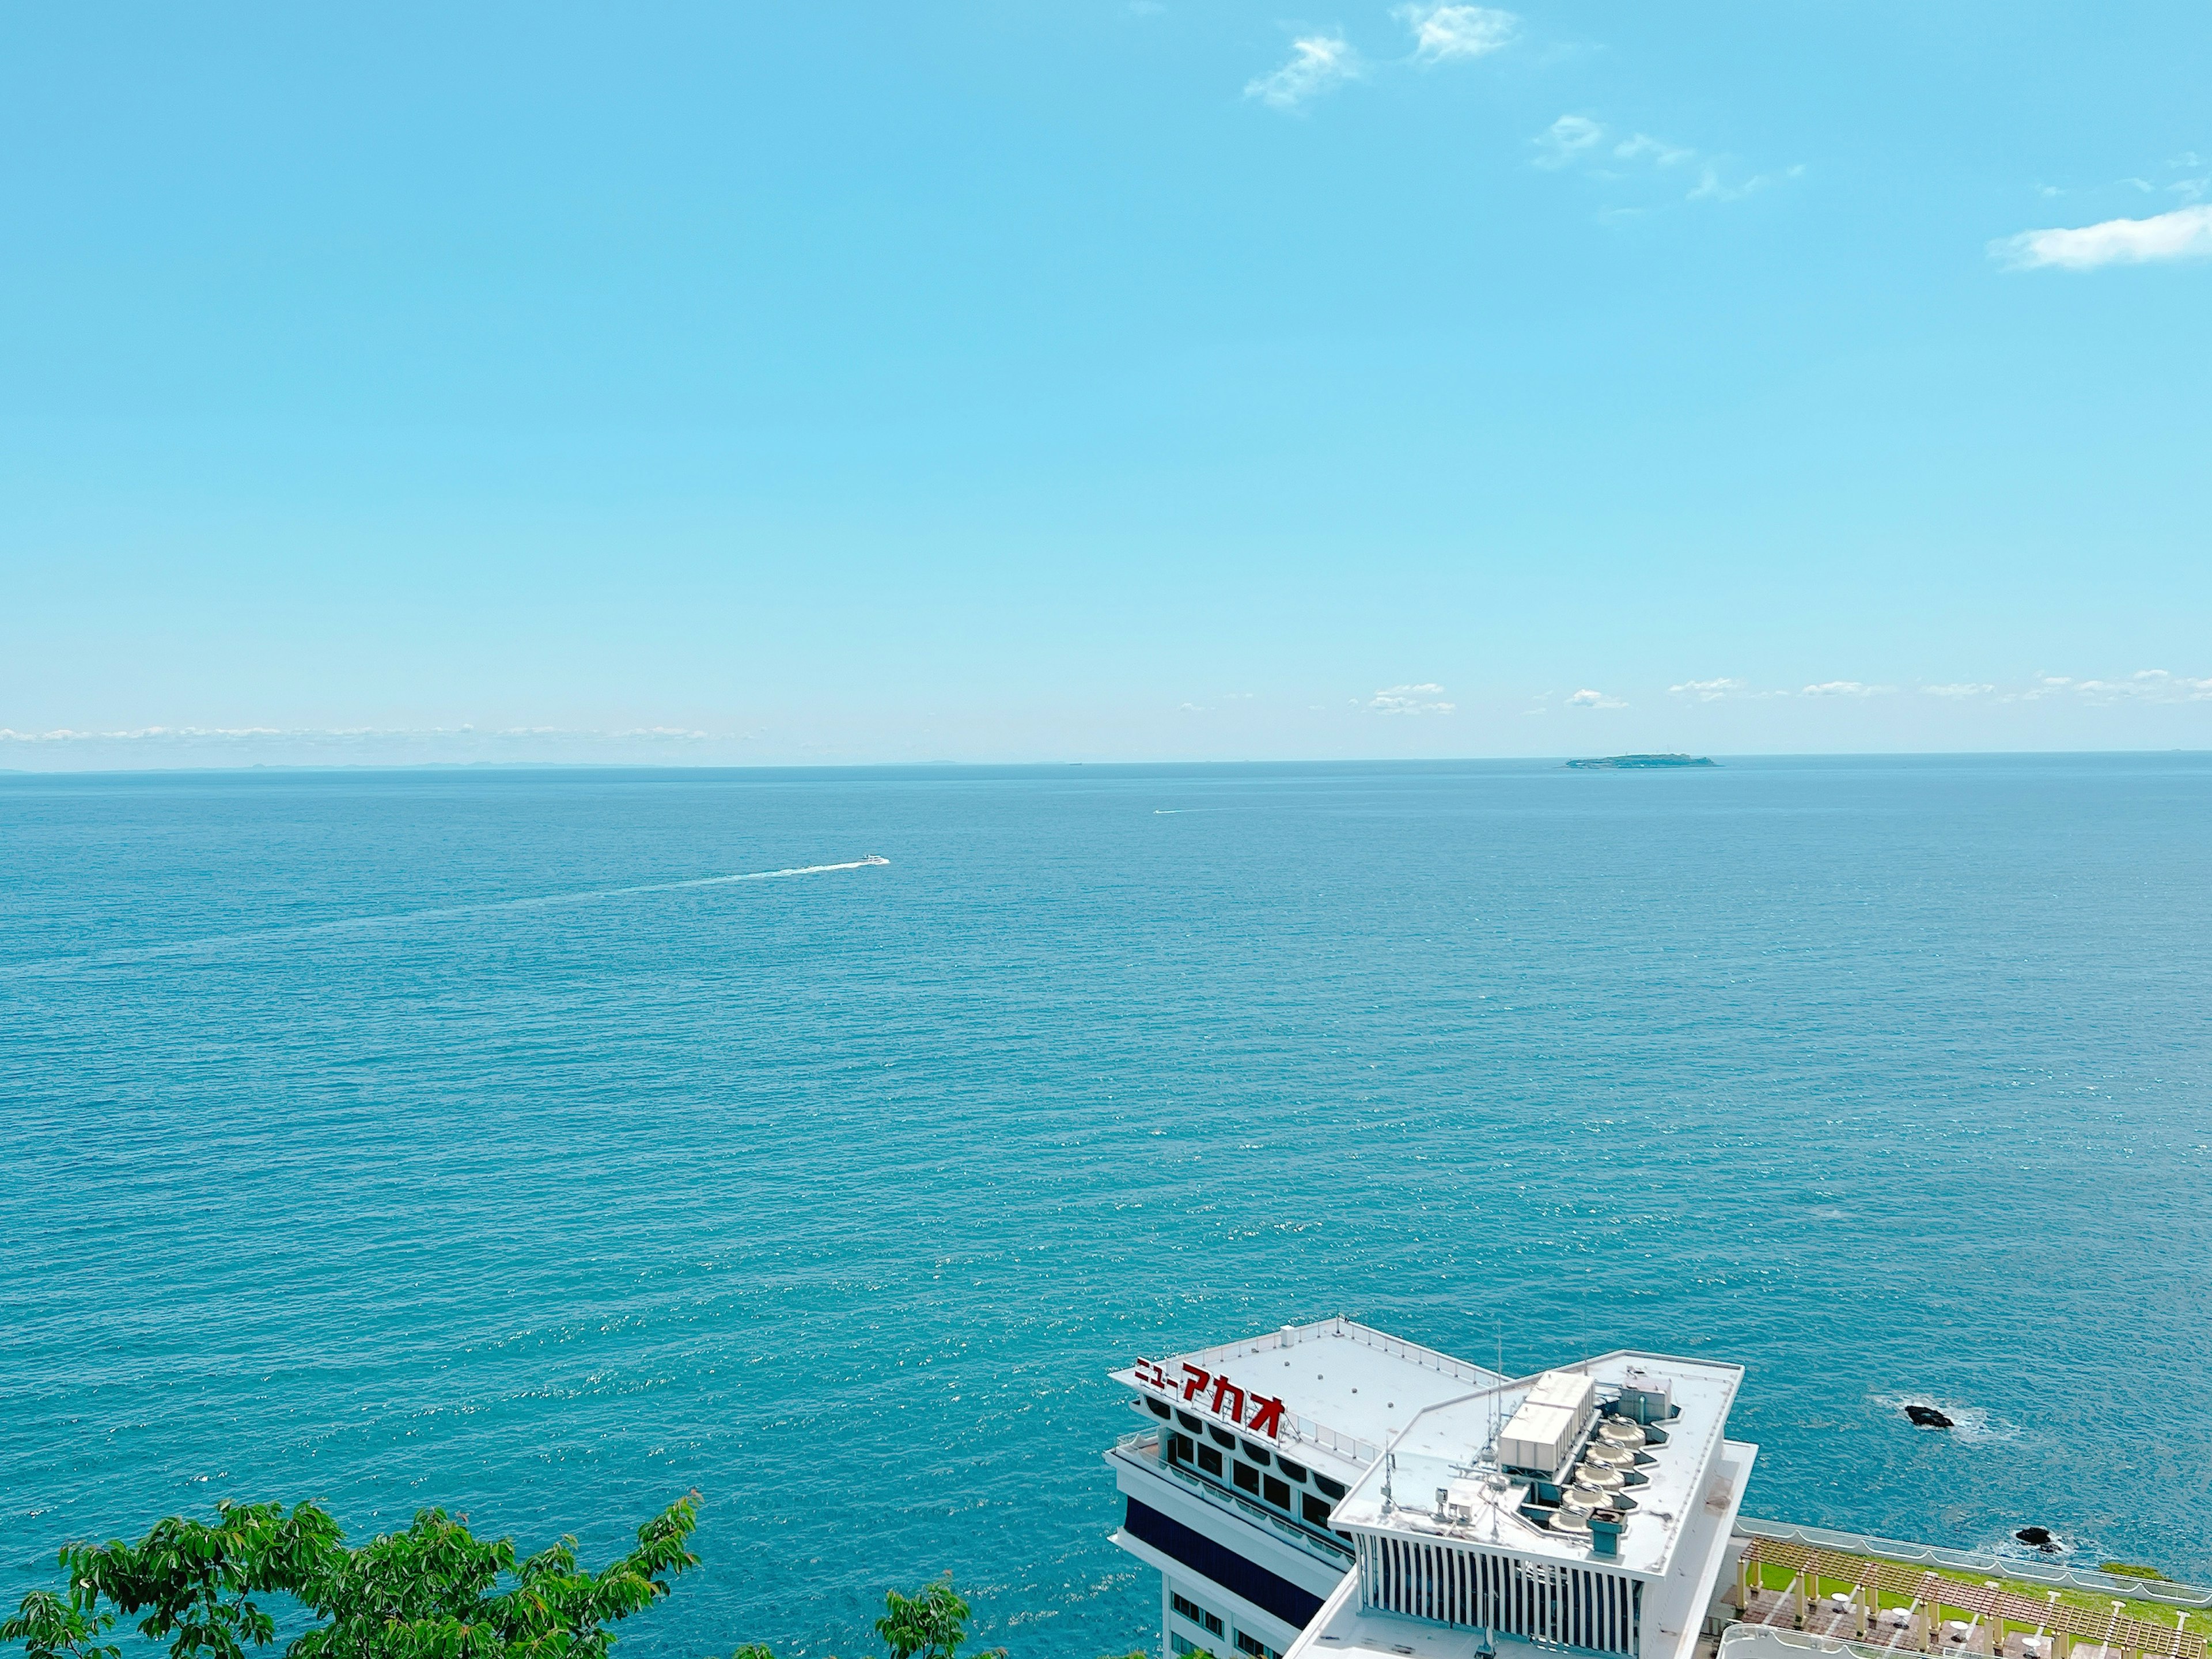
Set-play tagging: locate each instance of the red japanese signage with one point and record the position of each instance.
(1228, 1399)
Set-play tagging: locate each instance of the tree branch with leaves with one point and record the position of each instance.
(435, 1591)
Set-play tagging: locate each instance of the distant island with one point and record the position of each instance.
(1636, 763)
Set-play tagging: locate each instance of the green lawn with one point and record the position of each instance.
(2198, 1620)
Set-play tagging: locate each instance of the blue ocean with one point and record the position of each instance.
(466, 1138)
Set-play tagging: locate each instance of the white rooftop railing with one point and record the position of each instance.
(1397, 1348)
(1306, 1430)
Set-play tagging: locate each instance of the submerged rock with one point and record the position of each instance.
(1927, 1417)
(2039, 1536)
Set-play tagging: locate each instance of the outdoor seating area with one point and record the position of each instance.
(1889, 1607)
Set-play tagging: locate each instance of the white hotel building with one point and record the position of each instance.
(1326, 1490)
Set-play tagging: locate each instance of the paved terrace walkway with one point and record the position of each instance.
(1901, 1608)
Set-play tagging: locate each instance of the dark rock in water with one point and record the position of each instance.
(1927, 1417)
(2039, 1536)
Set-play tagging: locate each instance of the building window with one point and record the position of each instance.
(1246, 1476)
(1296, 1471)
(1209, 1460)
(1182, 1645)
(1197, 1616)
(1316, 1511)
(1278, 1493)
(1257, 1454)
(1159, 1409)
(1256, 1647)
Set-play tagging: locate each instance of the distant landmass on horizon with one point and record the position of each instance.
(1636, 762)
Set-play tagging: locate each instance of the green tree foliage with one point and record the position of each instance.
(433, 1592)
(931, 1623)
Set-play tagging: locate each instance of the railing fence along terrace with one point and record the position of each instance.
(2035, 1572)
(1332, 1550)
(1928, 1594)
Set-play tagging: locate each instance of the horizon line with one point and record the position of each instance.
(1560, 760)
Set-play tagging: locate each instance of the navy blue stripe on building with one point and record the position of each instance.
(1279, 1597)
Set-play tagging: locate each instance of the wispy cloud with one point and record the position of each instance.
(1661, 153)
(1714, 185)
(339, 736)
(1444, 34)
(1588, 699)
(2183, 234)
(1567, 140)
(2148, 685)
(1423, 699)
(1711, 691)
(1318, 62)
(1585, 144)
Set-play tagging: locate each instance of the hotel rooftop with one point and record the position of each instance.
(1330, 1489)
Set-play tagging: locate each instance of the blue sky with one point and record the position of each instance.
(1101, 380)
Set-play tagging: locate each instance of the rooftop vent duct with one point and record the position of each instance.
(1645, 1398)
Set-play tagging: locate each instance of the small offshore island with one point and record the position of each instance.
(1636, 763)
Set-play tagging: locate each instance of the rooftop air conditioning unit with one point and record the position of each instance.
(1548, 1422)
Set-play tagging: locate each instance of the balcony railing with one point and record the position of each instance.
(1142, 1447)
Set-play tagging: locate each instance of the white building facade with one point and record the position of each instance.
(1328, 1489)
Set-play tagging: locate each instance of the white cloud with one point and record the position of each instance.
(1569, 137)
(1663, 154)
(1712, 187)
(1711, 691)
(2148, 684)
(1442, 34)
(1579, 141)
(1318, 62)
(1588, 699)
(1958, 691)
(2183, 234)
(334, 736)
(1423, 699)
(1842, 689)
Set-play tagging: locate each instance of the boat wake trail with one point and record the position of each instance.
(217, 943)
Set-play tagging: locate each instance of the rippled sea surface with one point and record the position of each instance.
(341, 1164)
